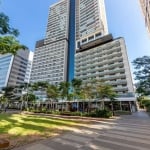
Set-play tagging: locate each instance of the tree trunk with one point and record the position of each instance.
(103, 104)
(88, 106)
(112, 108)
(83, 106)
(77, 106)
(120, 106)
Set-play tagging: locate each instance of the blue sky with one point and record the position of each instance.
(125, 19)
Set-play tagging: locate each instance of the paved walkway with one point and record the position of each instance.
(127, 133)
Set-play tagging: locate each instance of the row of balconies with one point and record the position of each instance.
(50, 60)
(89, 64)
(95, 60)
(47, 71)
(99, 62)
(106, 78)
(49, 54)
(103, 49)
(47, 66)
(117, 82)
(36, 79)
(100, 69)
(97, 53)
(104, 72)
(121, 89)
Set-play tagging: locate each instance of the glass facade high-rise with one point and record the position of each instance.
(71, 40)
(5, 67)
(13, 69)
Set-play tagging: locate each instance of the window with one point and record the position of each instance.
(91, 38)
(98, 34)
(78, 44)
(84, 40)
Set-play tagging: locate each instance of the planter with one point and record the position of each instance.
(4, 143)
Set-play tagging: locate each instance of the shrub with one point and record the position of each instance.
(76, 113)
(44, 110)
(66, 113)
(104, 113)
(146, 103)
(101, 114)
(121, 112)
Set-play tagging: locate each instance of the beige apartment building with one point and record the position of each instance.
(145, 5)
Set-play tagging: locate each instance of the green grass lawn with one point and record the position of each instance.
(27, 128)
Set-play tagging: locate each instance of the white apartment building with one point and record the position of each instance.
(98, 55)
(51, 54)
(106, 59)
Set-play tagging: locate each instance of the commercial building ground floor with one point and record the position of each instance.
(122, 104)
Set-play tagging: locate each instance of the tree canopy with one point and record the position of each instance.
(9, 44)
(8, 41)
(142, 74)
(5, 27)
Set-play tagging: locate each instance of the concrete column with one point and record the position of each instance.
(120, 105)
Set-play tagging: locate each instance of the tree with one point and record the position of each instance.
(112, 96)
(3, 102)
(52, 92)
(86, 93)
(105, 91)
(76, 87)
(28, 98)
(8, 44)
(142, 74)
(40, 86)
(5, 27)
(8, 92)
(64, 90)
(8, 41)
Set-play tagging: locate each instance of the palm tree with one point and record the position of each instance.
(28, 98)
(64, 91)
(5, 27)
(104, 91)
(76, 89)
(8, 44)
(3, 102)
(86, 93)
(8, 92)
(112, 96)
(52, 92)
(93, 84)
(8, 41)
(76, 86)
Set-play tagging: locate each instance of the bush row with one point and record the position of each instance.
(146, 103)
(98, 113)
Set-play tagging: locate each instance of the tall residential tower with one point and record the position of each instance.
(90, 20)
(54, 56)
